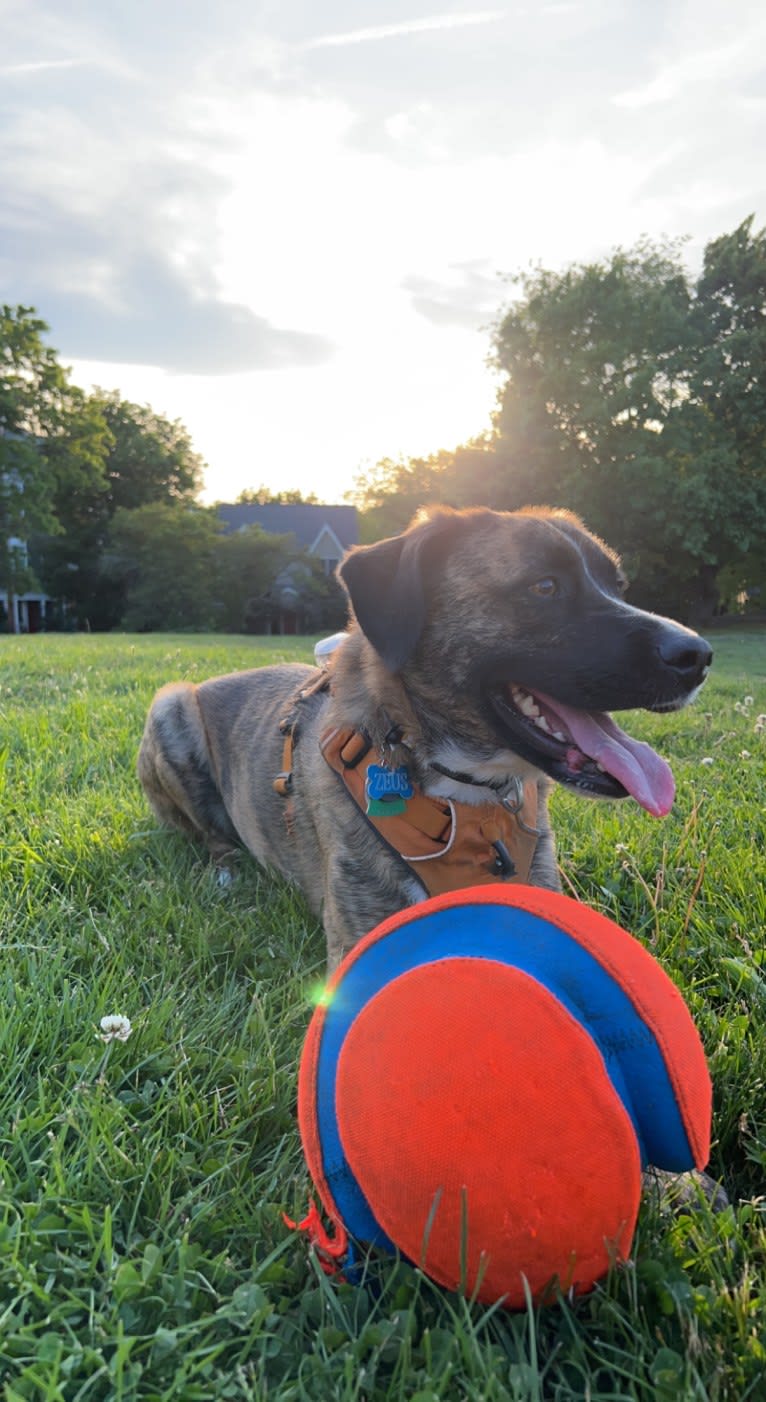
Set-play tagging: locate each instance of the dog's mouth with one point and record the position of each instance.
(585, 750)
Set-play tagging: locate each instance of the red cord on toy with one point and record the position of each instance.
(328, 1251)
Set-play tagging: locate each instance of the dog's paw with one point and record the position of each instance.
(682, 1192)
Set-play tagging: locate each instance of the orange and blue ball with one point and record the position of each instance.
(483, 1082)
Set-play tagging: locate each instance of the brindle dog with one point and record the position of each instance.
(484, 651)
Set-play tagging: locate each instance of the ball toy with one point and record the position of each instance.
(482, 1082)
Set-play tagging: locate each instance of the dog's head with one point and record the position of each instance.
(515, 625)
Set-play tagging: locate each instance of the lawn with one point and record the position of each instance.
(142, 1183)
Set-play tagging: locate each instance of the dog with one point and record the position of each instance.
(484, 652)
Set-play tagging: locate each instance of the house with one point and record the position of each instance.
(31, 607)
(324, 532)
(28, 607)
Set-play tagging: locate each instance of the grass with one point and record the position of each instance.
(142, 1184)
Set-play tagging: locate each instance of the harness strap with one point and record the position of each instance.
(289, 728)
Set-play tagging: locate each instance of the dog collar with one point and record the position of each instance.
(448, 845)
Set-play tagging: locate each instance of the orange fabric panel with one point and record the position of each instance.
(453, 858)
(654, 996)
(484, 1141)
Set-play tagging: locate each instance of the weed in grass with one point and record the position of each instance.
(142, 1249)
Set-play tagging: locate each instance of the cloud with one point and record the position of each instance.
(706, 68)
(468, 299)
(165, 323)
(395, 31)
(111, 298)
(108, 222)
(43, 65)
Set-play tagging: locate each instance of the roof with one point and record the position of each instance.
(304, 521)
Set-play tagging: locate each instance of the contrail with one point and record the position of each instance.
(393, 31)
(41, 65)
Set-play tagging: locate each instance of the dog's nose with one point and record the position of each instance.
(686, 654)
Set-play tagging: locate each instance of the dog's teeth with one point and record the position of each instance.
(528, 705)
(542, 724)
(601, 767)
(559, 735)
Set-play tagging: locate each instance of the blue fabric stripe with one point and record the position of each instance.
(515, 937)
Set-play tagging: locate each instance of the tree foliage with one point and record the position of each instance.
(635, 395)
(163, 557)
(148, 460)
(266, 496)
(247, 563)
(395, 488)
(104, 492)
(52, 443)
(637, 398)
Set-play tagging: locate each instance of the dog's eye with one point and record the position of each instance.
(546, 588)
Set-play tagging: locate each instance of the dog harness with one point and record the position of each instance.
(448, 845)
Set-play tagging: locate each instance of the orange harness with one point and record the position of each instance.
(448, 845)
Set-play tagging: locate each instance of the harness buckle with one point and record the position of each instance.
(283, 784)
(356, 748)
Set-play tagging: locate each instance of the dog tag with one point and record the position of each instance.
(387, 791)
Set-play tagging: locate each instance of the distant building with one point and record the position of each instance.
(326, 532)
(30, 608)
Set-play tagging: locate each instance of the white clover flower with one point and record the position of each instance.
(748, 701)
(738, 706)
(707, 760)
(115, 1027)
(744, 754)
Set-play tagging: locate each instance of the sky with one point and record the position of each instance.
(293, 225)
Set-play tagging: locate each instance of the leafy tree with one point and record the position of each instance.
(164, 558)
(247, 563)
(728, 381)
(631, 394)
(52, 444)
(149, 459)
(265, 496)
(392, 492)
(636, 398)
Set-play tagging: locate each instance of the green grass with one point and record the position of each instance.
(142, 1184)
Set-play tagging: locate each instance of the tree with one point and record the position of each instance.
(632, 394)
(52, 444)
(164, 558)
(729, 383)
(149, 459)
(637, 399)
(247, 563)
(390, 494)
(265, 496)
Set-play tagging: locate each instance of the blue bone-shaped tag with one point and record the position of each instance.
(387, 790)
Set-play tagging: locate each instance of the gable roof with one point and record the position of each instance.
(303, 521)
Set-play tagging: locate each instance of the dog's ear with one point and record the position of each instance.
(387, 584)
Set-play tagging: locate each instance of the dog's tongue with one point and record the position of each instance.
(638, 767)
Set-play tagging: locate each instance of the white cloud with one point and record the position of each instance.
(42, 65)
(221, 193)
(395, 31)
(707, 67)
